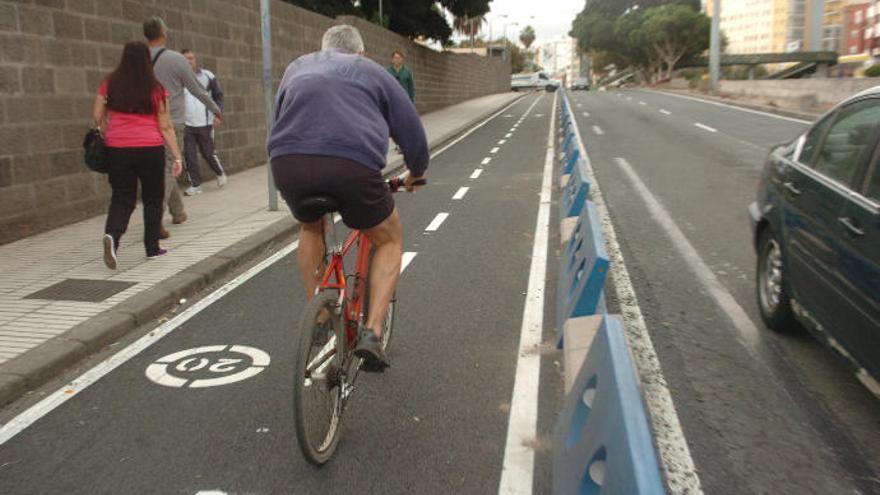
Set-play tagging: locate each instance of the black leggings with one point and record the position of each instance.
(127, 166)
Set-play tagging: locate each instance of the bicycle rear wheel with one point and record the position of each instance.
(319, 380)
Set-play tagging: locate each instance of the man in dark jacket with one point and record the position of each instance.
(334, 112)
(403, 74)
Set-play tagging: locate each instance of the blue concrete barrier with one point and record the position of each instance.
(602, 441)
(569, 160)
(584, 266)
(574, 194)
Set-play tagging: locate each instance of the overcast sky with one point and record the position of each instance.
(552, 18)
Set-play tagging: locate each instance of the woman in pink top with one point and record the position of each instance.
(131, 109)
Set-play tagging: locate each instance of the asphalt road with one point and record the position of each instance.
(436, 422)
(762, 413)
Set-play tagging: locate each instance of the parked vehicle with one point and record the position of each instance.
(534, 80)
(581, 83)
(816, 227)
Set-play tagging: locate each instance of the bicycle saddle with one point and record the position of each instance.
(311, 209)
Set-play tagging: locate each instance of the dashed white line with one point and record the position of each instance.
(734, 107)
(476, 173)
(665, 112)
(486, 160)
(508, 134)
(512, 129)
(460, 193)
(481, 124)
(502, 141)
(598, 130)
(406, 260)
(586, 114)
(705, 127)
(642, 103)
(436, 222)
(629, 97)
(494, 150)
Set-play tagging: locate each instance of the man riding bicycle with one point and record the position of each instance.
(334, 113)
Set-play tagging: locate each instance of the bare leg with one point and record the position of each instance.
(310, 255)
(387, 237)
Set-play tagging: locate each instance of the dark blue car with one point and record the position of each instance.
(816, 227)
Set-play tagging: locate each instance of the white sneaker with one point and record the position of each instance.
(193, 190)
(221, 180)
(109, 252)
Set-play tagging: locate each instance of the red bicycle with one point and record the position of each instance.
(325, 365)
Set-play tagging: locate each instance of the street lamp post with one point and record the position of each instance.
(715, 46)
(491, 40)
(267, 91)
(506, 52)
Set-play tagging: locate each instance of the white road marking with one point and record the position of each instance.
(586, 114)
(517, 472)
(225, 358)
(486, 160)
(598, 130)
(675, 457)
(481, 124)
(407, 259)
(476, 173)
(460, 193)
(749, 334)
(741, 109)
(494, 150)
(508, 134)
(629, 97)
(642, 103)
(705, 127)
(512, 129)
(502, 141)
(436, 222)
(538, 115)
(665, 112)
(62, 395)
(580, 105)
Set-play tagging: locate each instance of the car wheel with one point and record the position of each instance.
(774, 300)
(549, 88)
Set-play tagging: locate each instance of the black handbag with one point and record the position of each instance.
(95, 152)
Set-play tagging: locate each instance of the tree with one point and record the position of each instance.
(675, 31)
(527, 36)
(411, 18)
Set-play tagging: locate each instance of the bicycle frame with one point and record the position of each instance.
(350, 298)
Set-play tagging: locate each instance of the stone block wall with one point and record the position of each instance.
(54, 53)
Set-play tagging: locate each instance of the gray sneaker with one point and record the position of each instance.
(109, 252)
(221, 180)
(193, 190)
(369, 348)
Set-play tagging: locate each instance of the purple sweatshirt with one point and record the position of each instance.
(335, 103)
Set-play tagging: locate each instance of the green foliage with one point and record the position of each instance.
(644, 35)
(527, 36)
(873, 71)
(412, 18)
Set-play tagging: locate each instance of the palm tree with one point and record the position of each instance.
(527, 36)
(468, 26)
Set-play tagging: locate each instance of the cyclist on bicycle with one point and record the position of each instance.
(334, 113)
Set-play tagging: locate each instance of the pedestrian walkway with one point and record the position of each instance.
(218, 219)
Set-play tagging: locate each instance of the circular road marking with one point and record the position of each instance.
(208, 366)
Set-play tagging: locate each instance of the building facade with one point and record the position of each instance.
(762, 26)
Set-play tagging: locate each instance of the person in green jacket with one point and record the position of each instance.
(402, 74)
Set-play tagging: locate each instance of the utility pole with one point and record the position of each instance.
(715, 47)
(267, 92)
(381, 17)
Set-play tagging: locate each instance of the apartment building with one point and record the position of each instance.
(762, 26)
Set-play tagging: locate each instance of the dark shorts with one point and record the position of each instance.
(363, 195)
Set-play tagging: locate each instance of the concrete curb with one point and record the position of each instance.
(750, 106)
(46, 361)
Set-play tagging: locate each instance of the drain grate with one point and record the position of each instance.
(81, 290)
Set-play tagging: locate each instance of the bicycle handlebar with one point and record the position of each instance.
(396, 183)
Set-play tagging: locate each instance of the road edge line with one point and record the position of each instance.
(678, 467)
(518, 468)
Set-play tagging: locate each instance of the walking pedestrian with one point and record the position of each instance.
(199, 130)
(403, 74)
(131, 109)
(175, 74)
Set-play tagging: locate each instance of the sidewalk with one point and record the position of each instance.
(45, 328)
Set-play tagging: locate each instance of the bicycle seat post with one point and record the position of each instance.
(331, 218)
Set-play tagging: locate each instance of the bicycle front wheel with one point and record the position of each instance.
(318, 379)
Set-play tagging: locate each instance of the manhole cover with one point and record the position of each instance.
(82, 290)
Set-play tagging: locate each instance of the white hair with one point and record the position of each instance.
(343, 37)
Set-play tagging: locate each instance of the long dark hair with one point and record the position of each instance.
(131, 87)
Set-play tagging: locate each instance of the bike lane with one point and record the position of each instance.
(434, 423)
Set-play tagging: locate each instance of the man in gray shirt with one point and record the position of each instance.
(175, 74)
